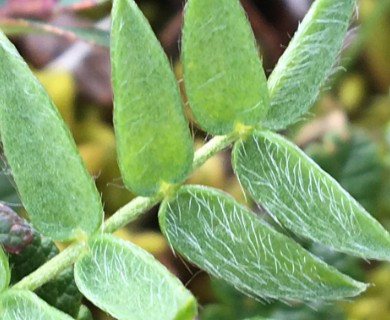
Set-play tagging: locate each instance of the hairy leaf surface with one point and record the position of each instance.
(223, 75)
(153, 139)
(307, 62)
(298, 194)
(224, 238)
(56, 189)
(127, 282)
(23, 304)
(354, 161)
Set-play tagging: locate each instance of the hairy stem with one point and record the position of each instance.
(52, 268)
(130, 212)
(211, 148)
(123, 216)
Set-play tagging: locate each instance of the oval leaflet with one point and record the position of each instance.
(213, 231)
(298, 194)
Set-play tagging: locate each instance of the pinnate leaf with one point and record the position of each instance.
(298, 194)
(223, 75)
(213, 231)
(128, 283)
(307, 62)
(23, 304)
(153, 139)
(55, 188)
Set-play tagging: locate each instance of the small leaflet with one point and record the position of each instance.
(223, 74)
(153, 139)
(306, 64)
(132, 284)
(213, 231)
(300, 196)
(23, 304)
(56, 190)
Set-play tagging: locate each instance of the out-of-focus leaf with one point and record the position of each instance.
(21, 26)
(84, 313)
(298, 194)
(354, 162)
(23, 304)
(132, 285)
(233, 305)
(153, 139)
(223, 76)
(219, 235)
(62, 293)
(40, 250)
(5, 275)
(53, 183)
(296, 80)
(305, 312)
(15, 233)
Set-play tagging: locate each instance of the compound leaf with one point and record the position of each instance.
(132, 285)
(307, 62)
(23, 304)
(153, 139)
(298, 194)
(223, 75)
(55, 188)
(219, 235)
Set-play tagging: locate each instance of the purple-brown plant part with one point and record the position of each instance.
(15, 232)
(28, 8)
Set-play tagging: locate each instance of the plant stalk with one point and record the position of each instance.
(123, 216)
(52, 268)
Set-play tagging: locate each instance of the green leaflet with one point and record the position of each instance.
(127, 282)
(153, 140)
(223, 75)
(56, 189)
(222, 237)
(296, 80)
(355, 162)
(4, 271)
(298, 194)
(23, 304)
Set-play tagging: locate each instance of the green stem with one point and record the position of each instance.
(139, 205)
(123, 216)
(52, 268)
(211, 148)
(130, 212)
